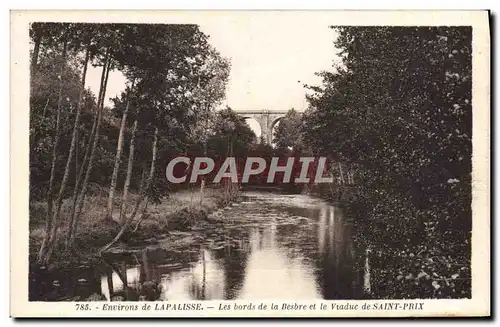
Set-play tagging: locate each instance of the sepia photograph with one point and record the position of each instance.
(254, 157)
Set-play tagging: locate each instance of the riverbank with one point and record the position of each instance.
(263, 245)
(411, 251)
(181, 211)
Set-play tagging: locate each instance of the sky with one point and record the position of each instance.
(270, 61)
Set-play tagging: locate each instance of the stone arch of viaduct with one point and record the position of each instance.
(266, 119)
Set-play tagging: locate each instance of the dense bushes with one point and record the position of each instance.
(399, 107)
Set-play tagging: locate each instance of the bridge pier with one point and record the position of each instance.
(266, 120)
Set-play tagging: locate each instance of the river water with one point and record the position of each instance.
(268, 246)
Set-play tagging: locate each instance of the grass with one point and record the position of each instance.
(180, 211)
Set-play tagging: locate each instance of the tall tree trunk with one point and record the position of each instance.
(36, 52)
(57, 211)
(91, 158)
(341, 174)
(142, 197)
(143, 181)
(77, 154)
(76, 189)
(55, 216)
(202, 184)
(129, 170)
(118, 157)
(95, 141)
(48, 222)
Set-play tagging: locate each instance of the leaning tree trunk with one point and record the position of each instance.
(91, 158)
(95, 141)
(129, 170)
(54, 227)
(48, 222)
(57, 211)
(118, 157)
(72, 223)
(142, 197)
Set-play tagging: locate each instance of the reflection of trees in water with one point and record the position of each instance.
(115, 285)
(123, 283)
(233, 259)
(206, 281)
(234, 267)
(109, 279)
(335, 258)
(199, 291)
(273, 272)
(220, 272)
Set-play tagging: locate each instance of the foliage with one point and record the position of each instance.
(288, 133)
(175, 80)
(231, 135)
(399, 107)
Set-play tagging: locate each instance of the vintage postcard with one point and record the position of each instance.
(250, 164)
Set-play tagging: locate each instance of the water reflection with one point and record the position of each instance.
(297, 247)
(335, 256)
(113, 283)
(272, 274)
(204, 281)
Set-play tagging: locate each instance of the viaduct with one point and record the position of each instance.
(267, 119)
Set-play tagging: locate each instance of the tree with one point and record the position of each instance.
(175, 90)
(90, 152)
(207, 99)
(114, 177)
(143, 196)
(51, 225)
(231, 135)
(36, 34)
(399, 107)
(288, 133)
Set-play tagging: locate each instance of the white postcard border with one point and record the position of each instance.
(479, 305)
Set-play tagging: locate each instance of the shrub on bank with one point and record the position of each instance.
(410, 255)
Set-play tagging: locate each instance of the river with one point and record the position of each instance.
(270, 246)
